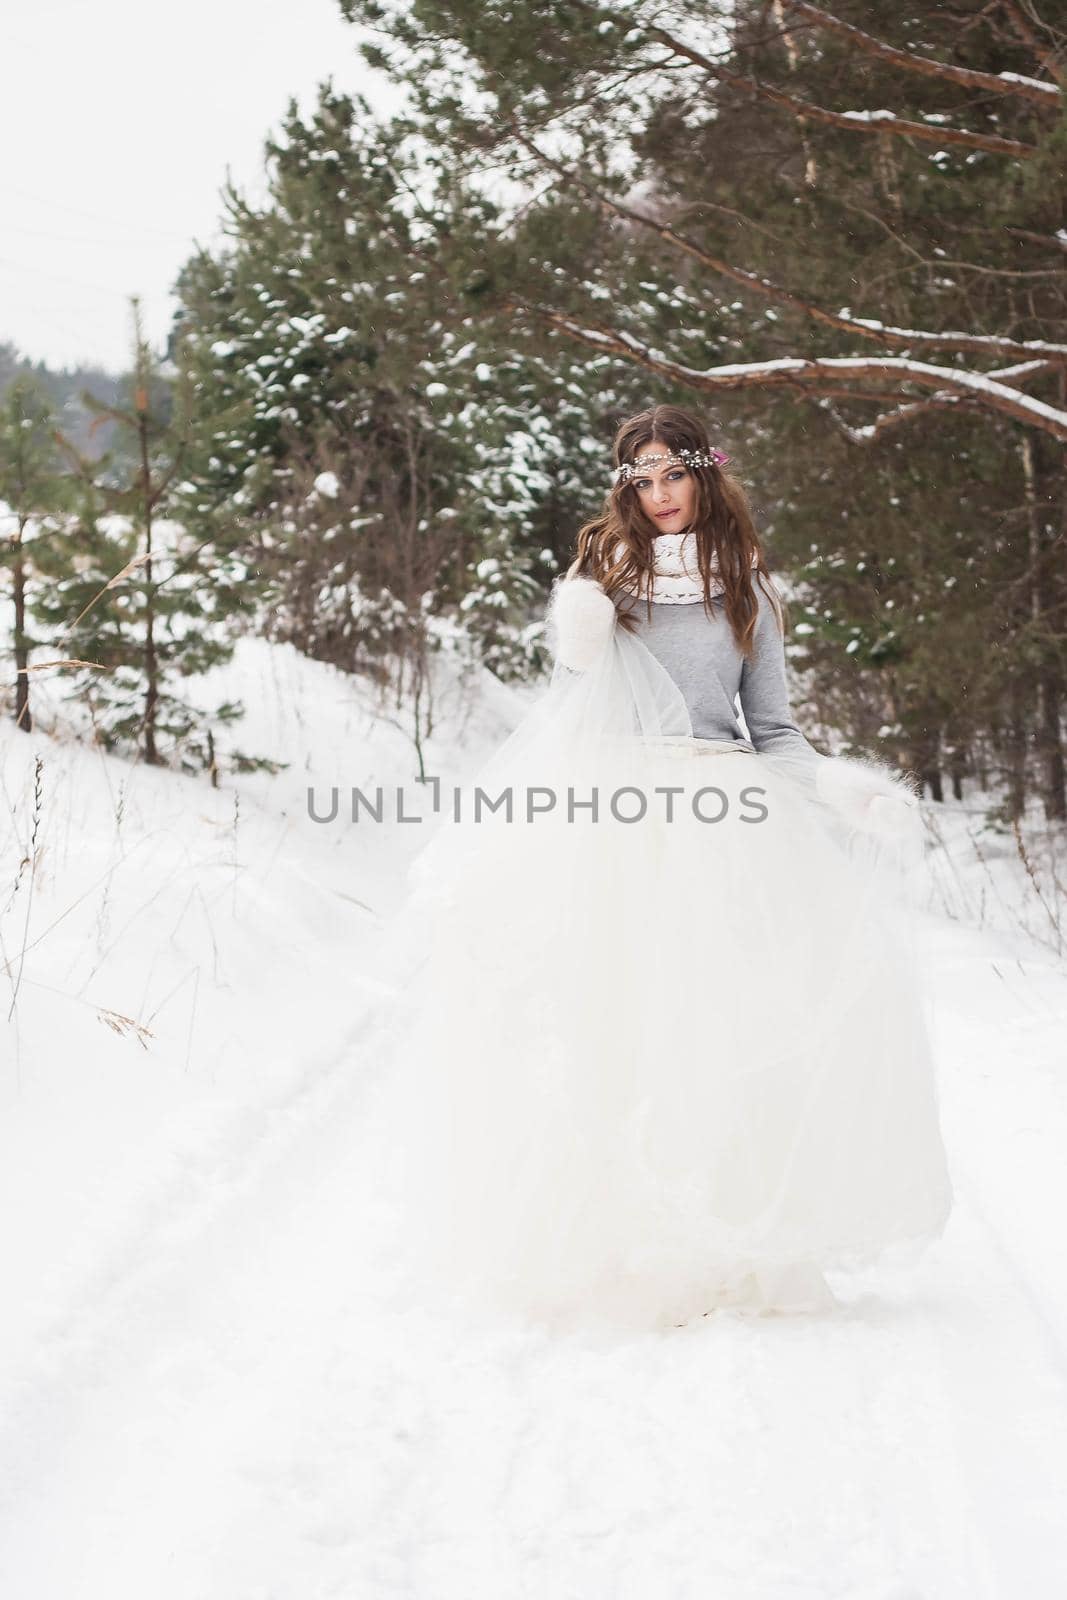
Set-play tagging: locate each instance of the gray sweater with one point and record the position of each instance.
(700, 654)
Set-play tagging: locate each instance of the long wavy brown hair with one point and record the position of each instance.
(726, 539)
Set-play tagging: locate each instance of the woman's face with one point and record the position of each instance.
(667, 495)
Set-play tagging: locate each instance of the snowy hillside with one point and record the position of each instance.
(206, 1390)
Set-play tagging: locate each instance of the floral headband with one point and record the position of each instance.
(690, 458)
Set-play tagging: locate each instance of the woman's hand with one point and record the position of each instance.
(581, 621)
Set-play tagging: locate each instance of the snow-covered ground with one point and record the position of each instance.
(207, 1391)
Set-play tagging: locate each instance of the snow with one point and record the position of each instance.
(208, 1391)
(1052, 89)
(327, 485)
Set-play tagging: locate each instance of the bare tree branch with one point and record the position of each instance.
(868, 432)
(1052, 241)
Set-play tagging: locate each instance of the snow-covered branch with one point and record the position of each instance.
(885, 334)
(866, 432)
(878, 122)
(1051, 58)
(1032, 89)
(815, 375)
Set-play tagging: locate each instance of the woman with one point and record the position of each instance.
(665, 1050)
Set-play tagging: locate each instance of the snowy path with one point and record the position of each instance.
(233, 1415)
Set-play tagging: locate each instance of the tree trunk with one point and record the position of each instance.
(929, 764)
(151, 665)
(1049, 680)
(22, 655)
(1054, 791)
(931, 779)
(1016, 750)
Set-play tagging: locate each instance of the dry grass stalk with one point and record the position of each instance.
(40, 666)
(124, 1025)
(1024, 857)
(31, 857)
(112, 583)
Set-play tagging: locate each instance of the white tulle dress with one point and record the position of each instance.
(644, 1068)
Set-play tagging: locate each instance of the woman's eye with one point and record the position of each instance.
(670, 477)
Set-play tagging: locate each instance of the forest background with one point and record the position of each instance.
(387, 400)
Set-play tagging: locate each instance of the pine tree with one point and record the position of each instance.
(789, 225)
(34, 491)
(133, 592)
(402, 475)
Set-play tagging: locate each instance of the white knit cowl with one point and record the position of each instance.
(676, 576)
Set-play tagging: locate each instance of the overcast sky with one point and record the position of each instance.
(118, 121)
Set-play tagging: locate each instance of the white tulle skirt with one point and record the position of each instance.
(665, 1058)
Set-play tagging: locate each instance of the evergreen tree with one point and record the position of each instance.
(133, 593)
(34, 490)
(872, 288)
(404, 473)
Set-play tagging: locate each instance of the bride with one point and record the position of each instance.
(661, 1048)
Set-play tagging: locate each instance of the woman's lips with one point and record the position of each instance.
(673, 512)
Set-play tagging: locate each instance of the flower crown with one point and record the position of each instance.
(691, 458)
